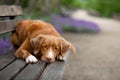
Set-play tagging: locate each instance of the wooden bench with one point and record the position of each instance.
(16, 69)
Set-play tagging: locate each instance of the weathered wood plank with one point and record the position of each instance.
(10, 10)
(12, 69)
(6, 59)
(11, 24)
(8, 25)
(2, 27)
(31, 72)
(55, 70)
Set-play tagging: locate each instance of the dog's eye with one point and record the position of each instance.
(44, 47)
(56, 48)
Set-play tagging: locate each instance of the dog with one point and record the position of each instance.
(37, 39)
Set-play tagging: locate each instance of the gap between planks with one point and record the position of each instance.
(7, 64)
(12, 78)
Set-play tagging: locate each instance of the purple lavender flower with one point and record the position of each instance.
(5, 45)
(68, 23)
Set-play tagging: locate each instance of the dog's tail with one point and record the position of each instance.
(72, 48)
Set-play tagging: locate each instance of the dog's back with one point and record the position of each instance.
(32, 28)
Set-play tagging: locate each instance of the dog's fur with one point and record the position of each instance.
(36, 38)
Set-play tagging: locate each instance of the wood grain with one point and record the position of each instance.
(8, 25)
(6, 59)
(31, 72)
(12, 69)
(6, 10)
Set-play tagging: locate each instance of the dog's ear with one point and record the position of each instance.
(65, 45)
(36, 42)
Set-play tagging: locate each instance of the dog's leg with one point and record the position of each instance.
(62, 57)
(15, 40)
(23, 53)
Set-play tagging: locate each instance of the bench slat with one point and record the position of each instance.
(2, 27)
(54, 71)
(10, 10)
(6, 59)
(31, 72)
(11, 70)
(8, 25)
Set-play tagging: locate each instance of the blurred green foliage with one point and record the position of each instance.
(105, 7)
(36, 8)
(45, 7)
(71, 3)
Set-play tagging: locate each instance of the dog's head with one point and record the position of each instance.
(49, 47)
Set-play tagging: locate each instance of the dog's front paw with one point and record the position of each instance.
(31, 59)
(60, 58)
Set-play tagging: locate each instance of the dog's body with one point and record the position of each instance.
(39, 38)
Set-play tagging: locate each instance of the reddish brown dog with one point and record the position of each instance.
(36, 38)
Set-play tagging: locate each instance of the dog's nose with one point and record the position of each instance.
(48, 59)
